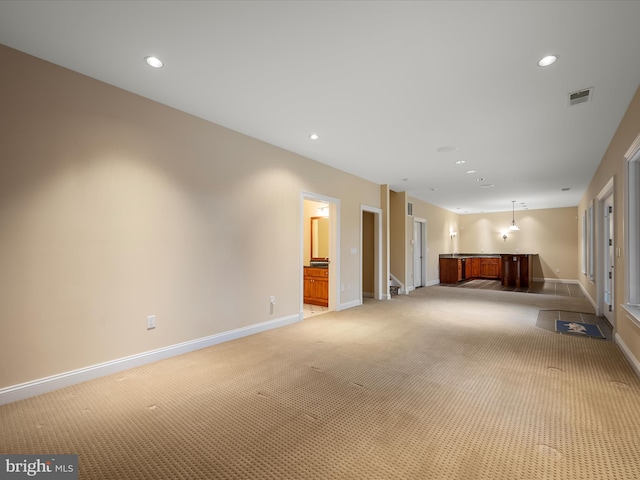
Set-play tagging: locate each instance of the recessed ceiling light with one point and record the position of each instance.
(314, 136)
(479, 179)
(488, 185)
(471, 171)
(154, 62)
(461, 162)
(447, 148)
(548, 60)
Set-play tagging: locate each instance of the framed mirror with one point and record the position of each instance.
(319, 238)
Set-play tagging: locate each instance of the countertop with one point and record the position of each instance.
(470, 255)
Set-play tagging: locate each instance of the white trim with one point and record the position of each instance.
(631, 223)
(632, 313)
(588, 297)
(377, 252)
(424, 248)
(433, 282)
(398, 282)
(633, 361)
(351, 304)
(334, 247)
(54, 382)
(555, 280)
(633, 149)
(602, 244)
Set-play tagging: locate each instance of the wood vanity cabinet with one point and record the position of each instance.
(316, 286)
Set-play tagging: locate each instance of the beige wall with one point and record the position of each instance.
(613, 167)
(114, 207)
(439, 222)
(551, 233)
(398, 235)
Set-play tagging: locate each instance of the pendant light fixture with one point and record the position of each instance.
(513, 227)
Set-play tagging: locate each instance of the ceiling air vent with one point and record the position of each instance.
(581, 96)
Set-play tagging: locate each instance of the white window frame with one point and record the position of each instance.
(632, 234)
(584, 242)
(591, 239)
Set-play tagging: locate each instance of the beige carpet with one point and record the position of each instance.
(441, 384)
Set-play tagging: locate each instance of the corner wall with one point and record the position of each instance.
(114, 207)
(613, 166)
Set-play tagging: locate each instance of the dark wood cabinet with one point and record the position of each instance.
(474, 269)
(457, 269)
(316, 286)
(489, 268)
(517, 270)
(450, 270)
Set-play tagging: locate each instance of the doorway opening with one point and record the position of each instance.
(419, 252)
(319, 254)
(606, 252)
(371, 253)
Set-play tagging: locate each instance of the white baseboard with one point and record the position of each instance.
(591, 300)
(633, 361)
(43, 385)
(555, 280)
(353, 303)
(432, 283)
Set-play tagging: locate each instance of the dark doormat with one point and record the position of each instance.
(577, 328)
(547, 321)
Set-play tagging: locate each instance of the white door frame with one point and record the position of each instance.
(602, 252)
(377, 252)
(423, 249)
(334, 248)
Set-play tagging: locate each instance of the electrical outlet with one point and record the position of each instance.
(272, 299)
(151, 322)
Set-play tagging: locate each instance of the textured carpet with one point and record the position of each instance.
(440, 384)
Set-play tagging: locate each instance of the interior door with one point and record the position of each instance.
(418, 245)
(609, 257)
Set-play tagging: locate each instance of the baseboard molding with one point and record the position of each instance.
(54, 382)
(353, 303)
(588, 297)
(432, 283)
(633, 361)
(555, 280)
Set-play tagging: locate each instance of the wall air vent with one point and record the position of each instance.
(409, 208)
(581, 96)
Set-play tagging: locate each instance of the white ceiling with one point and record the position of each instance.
(384, 83)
